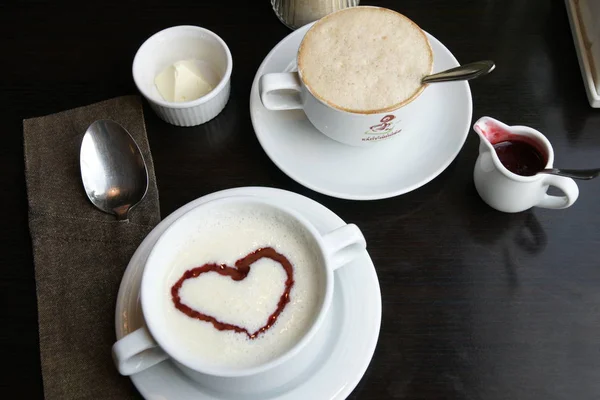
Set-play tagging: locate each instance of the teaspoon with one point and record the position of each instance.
(462, 72)
(113, 171)
(585, 174)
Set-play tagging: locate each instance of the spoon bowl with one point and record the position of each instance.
(113, 171)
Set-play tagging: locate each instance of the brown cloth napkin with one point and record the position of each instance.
(80, 253)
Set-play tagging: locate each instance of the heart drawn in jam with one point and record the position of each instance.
(237, 273)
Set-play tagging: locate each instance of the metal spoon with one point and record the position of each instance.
(462, 72)
(113, 170)
(585, 174)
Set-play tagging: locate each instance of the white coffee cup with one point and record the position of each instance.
(154, 343)
(508, 192)
(289, 91)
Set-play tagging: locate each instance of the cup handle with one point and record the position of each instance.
(280, 91)
(568, 187)
(343, 245)
(136, 352)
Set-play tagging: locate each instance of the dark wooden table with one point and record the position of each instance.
(476, 304)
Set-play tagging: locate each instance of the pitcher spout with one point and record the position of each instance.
(484, 127)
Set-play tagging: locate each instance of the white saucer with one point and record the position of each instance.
(385, 170)
(352, 324)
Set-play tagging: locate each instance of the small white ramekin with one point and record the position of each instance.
(183, 43)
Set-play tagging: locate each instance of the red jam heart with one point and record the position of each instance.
(237, 273)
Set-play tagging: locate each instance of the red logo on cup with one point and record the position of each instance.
(383, 130)
(384, 127)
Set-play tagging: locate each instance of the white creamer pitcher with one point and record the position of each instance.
(507, 191)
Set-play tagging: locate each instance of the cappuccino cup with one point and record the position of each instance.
(359, 75)
(234, 293)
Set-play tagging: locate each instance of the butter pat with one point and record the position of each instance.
(182, 81)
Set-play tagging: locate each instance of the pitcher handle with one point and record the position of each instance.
(567, 186)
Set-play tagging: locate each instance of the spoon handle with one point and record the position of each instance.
(122, 212)
(574, 173)
(462, 73)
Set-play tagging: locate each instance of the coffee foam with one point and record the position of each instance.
(365, 59)
(223, 238)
